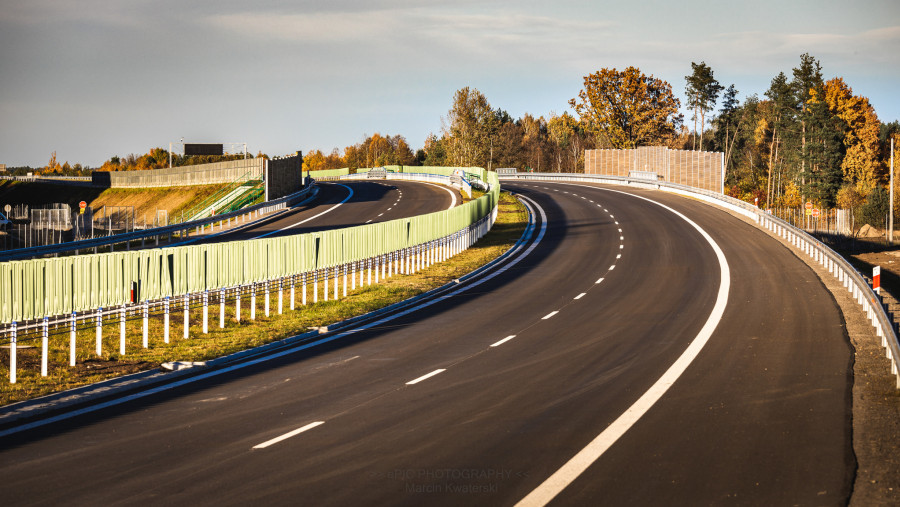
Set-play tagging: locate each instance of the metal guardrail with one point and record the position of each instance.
(183, 228)
(842, 270)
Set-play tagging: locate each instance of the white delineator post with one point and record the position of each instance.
(145, 339)
(12, 353)
(99, 332)
(72, 341)
(221, 308)
(187, 315)
(166, 320)
(122, 330)
(45, 345)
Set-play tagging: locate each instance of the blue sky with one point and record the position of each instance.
(90, 79)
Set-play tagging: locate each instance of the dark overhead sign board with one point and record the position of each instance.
(202, 149)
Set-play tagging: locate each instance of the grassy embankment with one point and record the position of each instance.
(146, 201)
(235, 336)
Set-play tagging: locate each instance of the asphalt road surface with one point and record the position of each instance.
(346, 204)
(499, 391)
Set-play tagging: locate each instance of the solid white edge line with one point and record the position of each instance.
(551, 487)
(426, 376)
(336, 206)
(551, 314)
(288, 435)
(501, 342)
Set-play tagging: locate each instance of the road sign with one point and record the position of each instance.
(82, 205)
(808, 212)
(7, 208)
(815, 212)
(808, 205)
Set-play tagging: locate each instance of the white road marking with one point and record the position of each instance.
(551, 314)
(612, 267)
(598, 281)
(305, 346)
(426, 376)
(581, 295)
(336, 206)
(553, 485)
(501, 342)
(621, 238)
(619, 256)
(288, 435)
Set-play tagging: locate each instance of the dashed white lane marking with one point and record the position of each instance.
(581, 295)
(369, 221)
(598, 281)
(621, 238)
(553, 485)
(501, 342)
(619, 256)
(426, 376)
(612, 267)
(551, 314)
(380, 214)
(621, 247)
(288, 435)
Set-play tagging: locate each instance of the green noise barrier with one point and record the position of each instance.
(33, 289)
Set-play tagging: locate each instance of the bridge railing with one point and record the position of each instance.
(837, 265)
(63, 293)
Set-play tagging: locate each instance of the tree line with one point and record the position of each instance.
(806, 138)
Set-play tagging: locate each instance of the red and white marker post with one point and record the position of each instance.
(876, 279)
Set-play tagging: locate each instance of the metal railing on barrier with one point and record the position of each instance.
(843, 271)
(153, 282)
(182, 229)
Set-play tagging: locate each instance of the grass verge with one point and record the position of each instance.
(235, 336)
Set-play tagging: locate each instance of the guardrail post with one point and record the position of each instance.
(45, 344)
(100, 331)
(237, 303)
(369, 269)
(266, 305)
(253, 301)
(72, 340)
(336, 277)
(346, 269)
(145, 340)
(205, 311)
(187, 315)
(293, 279)
(353, 275)
(325, 282)
(221, 308)
(303, 293)
(376, 260)
(12, 352)
(280, 295)
(166, 320)
(315, 286)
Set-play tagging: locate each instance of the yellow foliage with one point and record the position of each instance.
(861, 163)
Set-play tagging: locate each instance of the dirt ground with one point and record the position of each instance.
(876, 399)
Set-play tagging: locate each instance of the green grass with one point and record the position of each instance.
(236, 336)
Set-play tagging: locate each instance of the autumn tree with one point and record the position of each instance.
(702, 92)
(862, 130)
(628, 108)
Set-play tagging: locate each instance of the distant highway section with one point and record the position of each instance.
(487, 393)
(346, 204)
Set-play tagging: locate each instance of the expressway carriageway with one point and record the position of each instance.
(346, 204)
(614, 358)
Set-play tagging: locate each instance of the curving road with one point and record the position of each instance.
(346, 204)
(485, 394)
